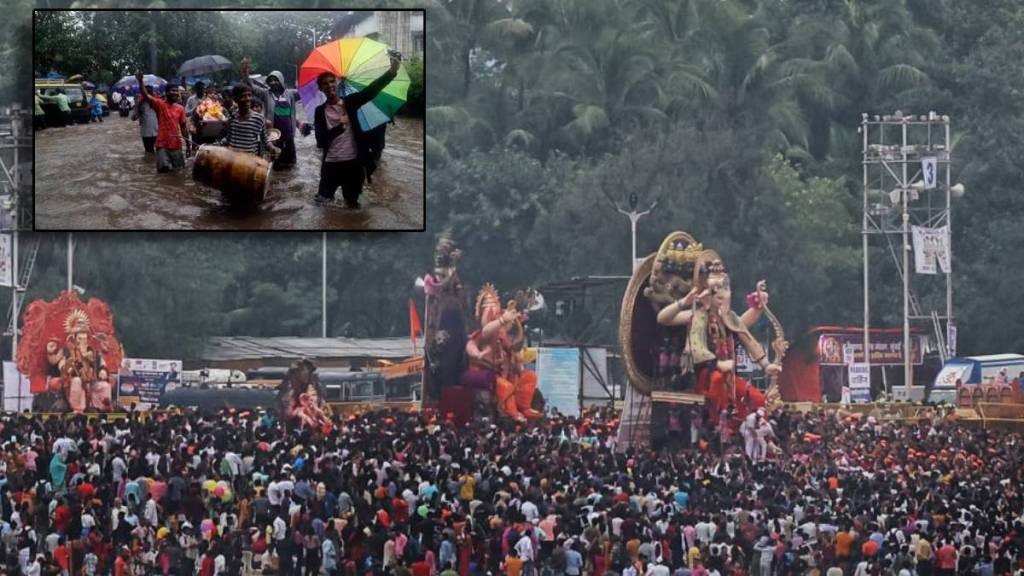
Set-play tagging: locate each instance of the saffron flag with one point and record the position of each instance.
(415, 328)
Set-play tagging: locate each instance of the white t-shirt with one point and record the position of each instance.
(274, 493)
(529, 510)
(280, 529)
(524, 547)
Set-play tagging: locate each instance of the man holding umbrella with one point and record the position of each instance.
(346, 154)
(279, 111)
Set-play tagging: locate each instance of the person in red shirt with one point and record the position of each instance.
(121, 566)
(206, 567)
(171, 125)
(946, 557)
(869, 549)
(62, 517)
(399, 510)
(421, 568)
(86, 491)
(63, 557)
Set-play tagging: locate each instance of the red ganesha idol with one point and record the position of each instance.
(66, 350)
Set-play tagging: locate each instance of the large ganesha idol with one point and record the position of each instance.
(446, 312)
(65, 351)
(496, 360)
(301, 397)
(678, 306)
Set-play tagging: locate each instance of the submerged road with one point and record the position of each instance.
(98, 177)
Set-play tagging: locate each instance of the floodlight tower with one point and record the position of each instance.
(906, 183)
(16, 204)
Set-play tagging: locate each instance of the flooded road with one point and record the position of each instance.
(98, 177)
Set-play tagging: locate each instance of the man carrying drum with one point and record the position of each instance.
(247, 130)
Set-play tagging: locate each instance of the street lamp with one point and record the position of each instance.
(633, 216)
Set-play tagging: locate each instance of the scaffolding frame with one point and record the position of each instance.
(894, 199)
(17, 209)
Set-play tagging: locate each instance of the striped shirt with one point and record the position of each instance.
(344, 146)
(248, 135)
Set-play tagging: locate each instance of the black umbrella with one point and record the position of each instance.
(203, 65)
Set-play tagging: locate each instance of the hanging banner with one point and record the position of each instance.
(930, 171)
(6, 261)
(860, 382)
(597, 388)
(744, 364)
(7, 221)
(17, 389)
(142, 382)
(931, 249)
(558, 378)
(886, 349)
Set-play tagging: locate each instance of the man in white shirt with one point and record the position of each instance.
(524, 547)
(150, 513)
(656, 568)
(118, 467)
(530, 511)
(274, 493)
(705, 531)
(280, 530)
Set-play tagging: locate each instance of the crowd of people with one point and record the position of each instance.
(172, 126)
(411, 494)
(248, 111)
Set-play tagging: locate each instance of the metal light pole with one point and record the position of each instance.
(633, 216)
(864, 246)
(950, 348)
(323, 285)
(71, 261)
(14, 294)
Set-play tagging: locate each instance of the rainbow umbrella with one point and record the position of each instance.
(356, 62)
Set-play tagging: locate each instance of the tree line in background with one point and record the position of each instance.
(105, 46)
(739, 117)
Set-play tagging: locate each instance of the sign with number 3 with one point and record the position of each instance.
(930, 170)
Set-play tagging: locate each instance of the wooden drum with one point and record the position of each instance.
(242, 178)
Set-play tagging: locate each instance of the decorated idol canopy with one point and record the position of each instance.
(70, 354)
(475, 354)
(682, 341)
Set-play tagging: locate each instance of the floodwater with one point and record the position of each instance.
(98, 177)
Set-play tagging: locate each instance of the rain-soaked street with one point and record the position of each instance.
(98, 177)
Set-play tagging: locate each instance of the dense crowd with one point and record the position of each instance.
(417, 495)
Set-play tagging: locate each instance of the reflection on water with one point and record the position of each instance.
(97, 176)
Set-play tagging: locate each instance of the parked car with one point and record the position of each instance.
(77, 101)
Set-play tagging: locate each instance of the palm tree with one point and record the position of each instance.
(600, 69)
(873, 56)
(460, 28)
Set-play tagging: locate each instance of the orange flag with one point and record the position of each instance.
(415, 328)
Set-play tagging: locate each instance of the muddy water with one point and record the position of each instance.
(98, 177)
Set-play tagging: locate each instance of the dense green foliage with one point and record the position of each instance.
(739, 117)
(104, 46)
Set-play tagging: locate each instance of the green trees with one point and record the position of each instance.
(739, 117)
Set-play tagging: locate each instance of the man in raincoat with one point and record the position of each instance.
(279, 112)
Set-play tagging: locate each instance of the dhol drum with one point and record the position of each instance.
(242, 178)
